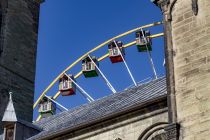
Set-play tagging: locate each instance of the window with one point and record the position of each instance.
(142, 41)
(46, 106)
(9, 135)
(65, 84)
(115, 51)
(88, 66)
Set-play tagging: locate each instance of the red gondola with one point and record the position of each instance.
(115, 51)
(66, 86)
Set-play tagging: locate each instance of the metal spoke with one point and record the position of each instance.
(126, 65)
(103, 76)
(150, 56)
(82, 91)
(56, 103)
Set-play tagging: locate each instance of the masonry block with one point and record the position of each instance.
(18, 43)
(191, 38)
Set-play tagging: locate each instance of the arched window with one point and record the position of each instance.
(161, 136)
(9, 132)
(154, 132)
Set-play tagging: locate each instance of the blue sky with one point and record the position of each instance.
(70, 28)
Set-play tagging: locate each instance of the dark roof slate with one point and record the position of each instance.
(102, 108)
(30, 125)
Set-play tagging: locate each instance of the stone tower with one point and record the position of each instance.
(18, 44)
(187, 30)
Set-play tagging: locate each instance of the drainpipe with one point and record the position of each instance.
(166, 6)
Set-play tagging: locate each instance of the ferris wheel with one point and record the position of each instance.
(66, 81)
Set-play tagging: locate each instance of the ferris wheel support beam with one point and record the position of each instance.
(107, 55)
(100, 59)
(38, 118)
(56, 103)
(56, 95)
(83, 92)
(103, 76)
(150, 56)
(125, 46)
(82, 57)
(126, 65)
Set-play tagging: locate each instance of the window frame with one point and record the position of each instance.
(7, 127)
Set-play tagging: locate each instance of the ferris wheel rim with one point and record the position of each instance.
(100, 59)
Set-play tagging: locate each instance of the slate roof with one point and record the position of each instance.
(30, 125)
(102, 108)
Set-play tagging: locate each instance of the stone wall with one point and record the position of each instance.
(19, 28)
(191, 44)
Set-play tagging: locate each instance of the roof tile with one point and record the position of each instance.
(102, 108)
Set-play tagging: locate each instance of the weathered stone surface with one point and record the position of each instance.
(172, 132)
(19, 28)
(127, 127)
(191, 40)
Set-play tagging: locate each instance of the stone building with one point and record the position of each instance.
(18, 43)
(187, 30)
(175, 107)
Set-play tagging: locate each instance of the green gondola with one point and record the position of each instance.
(89, 74)
(143, 41)
(88, 67)
(47, 107)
